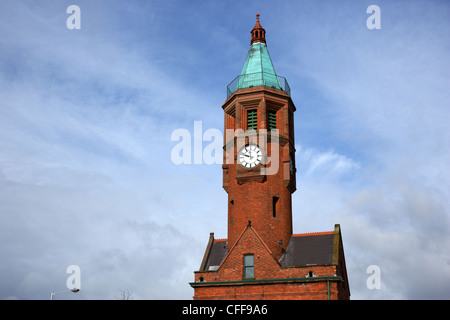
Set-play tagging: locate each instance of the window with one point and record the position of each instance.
(249, 266)
(274, 206)
(252, 119)
(291, 164)
(272, 120)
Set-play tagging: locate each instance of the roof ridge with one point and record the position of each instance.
(312, 233)
(220, 240)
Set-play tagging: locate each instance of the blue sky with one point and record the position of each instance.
(86, 118)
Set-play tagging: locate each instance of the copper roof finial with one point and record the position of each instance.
(258, 33)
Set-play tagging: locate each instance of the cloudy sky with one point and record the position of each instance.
(86, 118)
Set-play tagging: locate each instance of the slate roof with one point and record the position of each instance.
(216, 255)
(302, 250)
(309, 249)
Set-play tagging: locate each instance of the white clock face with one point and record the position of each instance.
(250, 156)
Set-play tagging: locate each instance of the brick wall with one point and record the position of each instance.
(279, 291)
(250, 194)
(214, 283)
(254, 201)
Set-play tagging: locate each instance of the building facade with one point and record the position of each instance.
(261, 257)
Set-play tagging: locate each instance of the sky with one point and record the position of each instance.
(87, 115)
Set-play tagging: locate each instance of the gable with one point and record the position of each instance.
(249, 242)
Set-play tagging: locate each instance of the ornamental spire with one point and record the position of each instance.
(258, 33)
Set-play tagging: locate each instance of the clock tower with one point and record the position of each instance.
(259, 149)
(261, 257)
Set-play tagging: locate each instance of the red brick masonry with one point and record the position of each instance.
(272, 281)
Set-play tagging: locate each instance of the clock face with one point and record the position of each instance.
(250, 156)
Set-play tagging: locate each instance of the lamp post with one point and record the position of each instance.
(74, 290)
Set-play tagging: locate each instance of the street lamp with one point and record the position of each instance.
(74, 290)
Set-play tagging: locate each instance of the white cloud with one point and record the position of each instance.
(315, 165)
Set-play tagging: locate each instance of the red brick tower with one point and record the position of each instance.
(261, 258)
(259, 168)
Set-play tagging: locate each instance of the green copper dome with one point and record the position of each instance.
(258, 69)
